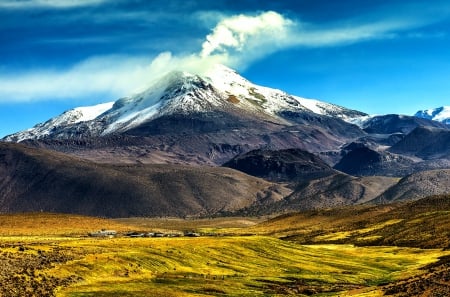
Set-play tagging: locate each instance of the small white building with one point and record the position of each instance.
(103, 233)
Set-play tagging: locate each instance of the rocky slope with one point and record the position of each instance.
(422, 149)
(314, 183)
(335, 190)
(361, 160)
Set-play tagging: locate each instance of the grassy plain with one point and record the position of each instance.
(48, 224)
(224, 225)
(49, 255)
(215, 266)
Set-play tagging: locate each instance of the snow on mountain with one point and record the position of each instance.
(361, 121)
(176, 92)
(88, 113)
(270, 100)
(440, 114)
(221, 88)
(70, 117)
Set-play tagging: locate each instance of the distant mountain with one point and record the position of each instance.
(440, 114)
(394, 123)
(34, 180)
(425, 143)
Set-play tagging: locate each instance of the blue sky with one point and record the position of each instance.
(375, 56)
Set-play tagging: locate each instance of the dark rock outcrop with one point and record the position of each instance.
(291, 165)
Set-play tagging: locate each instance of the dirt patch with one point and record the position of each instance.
(24, 268)
(233, 99)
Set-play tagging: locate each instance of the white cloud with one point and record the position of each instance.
(242, 37)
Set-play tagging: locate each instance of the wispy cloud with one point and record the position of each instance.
(235, 40)
(107, 75)
(240, 40)
(27, 4)
(110, 76)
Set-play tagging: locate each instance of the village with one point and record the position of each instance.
(135, 234)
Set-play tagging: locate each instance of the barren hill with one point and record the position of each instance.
(426, 143)
(418, 185)
(39, 180)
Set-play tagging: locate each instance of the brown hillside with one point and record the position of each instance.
(418, 185)
(40, 180)
(337, 190)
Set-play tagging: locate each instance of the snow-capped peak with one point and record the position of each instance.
(219, 89)
(440, 114)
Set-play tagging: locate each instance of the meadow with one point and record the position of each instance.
(233, 257)
(210, 266)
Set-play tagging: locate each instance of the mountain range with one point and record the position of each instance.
(160, 152)
(440, 114)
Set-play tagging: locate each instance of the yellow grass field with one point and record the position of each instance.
(60, 264)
